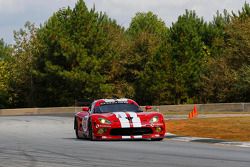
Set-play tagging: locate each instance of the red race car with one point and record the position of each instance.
(116, 119)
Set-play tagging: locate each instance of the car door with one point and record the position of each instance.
(86, 118)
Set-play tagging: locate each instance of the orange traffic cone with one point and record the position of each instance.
(190, 115)
(195, 111)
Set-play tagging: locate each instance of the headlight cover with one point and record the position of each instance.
(104, 121)
(154, 119)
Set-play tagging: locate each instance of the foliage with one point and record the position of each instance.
(223, 80)
(79, 53)
(5, 52)
(79, 50)
(188, 55)
(149, 60)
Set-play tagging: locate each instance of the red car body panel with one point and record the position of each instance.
(120, 124)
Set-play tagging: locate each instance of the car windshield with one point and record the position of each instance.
(117, 107)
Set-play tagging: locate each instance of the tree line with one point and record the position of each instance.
(79, 53)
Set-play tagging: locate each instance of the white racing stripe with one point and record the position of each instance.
(136, 120)
(122, 118)
(137, 137)
(126, 137)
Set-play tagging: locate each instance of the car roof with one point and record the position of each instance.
(121, 100)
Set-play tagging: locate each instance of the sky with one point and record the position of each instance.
(14, 13)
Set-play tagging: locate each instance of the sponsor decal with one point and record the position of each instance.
(114, 101)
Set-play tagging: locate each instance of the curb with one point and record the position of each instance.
(174, 137)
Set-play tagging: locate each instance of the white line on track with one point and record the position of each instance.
(206, 140)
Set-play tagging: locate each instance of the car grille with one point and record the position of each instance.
(130, 131)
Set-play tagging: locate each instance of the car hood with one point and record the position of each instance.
(125, 117)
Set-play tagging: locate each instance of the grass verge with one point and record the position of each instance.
(233, 129)
(200, 112)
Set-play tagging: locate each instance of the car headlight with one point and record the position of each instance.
(154, 119)
(104, 121)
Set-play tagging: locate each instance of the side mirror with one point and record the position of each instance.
(85, 109)
(148, 108)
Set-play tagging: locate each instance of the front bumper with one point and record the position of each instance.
(112, 132)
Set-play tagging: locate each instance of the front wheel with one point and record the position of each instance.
(76, 129)
(90, 131)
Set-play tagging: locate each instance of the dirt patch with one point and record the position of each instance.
(202, 112)
(231, 128)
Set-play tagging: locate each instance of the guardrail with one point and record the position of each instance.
(38, 111)
(220, 107)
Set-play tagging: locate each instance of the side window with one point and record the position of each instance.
(97, 110)
(92, 107)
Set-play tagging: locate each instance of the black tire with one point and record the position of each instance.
(76, 129)
(90, 131)
(157, 139)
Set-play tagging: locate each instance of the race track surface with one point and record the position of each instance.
(49, 141)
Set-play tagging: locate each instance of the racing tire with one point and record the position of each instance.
(76, 129)
(157, 139)
(90, 131)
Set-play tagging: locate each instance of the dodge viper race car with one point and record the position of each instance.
(117, 119)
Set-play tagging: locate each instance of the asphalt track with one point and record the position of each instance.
(49, 141)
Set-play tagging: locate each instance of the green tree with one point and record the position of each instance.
(242, 86)
(188, 55)
(218, 81)
(79, 51)
(148, 59)
(21, 86)
(244, 13)
(214, 34)
(5, 53)
(226, 77)
(213, 67)
(236, 54)
(237, 47)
